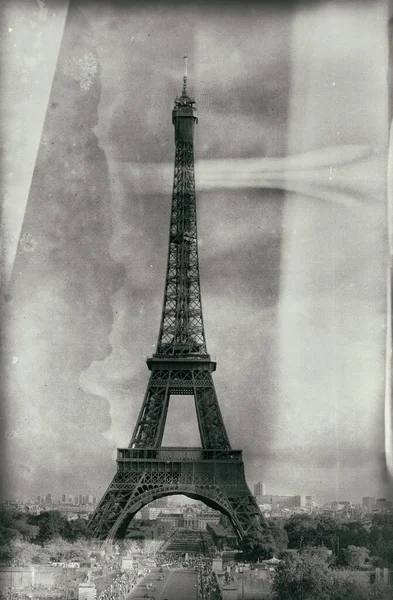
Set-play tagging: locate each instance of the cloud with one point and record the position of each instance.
(349, 175)
(59, 317)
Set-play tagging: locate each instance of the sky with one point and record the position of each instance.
(291, 150)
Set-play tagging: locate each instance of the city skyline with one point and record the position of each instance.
(293, 276)
(179, 498)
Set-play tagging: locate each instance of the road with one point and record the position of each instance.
(176, 584)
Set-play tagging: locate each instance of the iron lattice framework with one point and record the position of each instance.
(180, 366)
(181, 331)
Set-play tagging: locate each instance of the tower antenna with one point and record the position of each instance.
(185, 76)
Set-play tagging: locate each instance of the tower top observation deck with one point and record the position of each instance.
(184, 114)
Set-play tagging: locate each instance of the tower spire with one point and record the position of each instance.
(184, 93)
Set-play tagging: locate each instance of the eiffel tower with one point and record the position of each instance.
(181, 365)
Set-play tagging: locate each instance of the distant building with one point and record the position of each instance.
(190, 520)
(260, 488)
(155, 531)
(170, 518)
(276, 501)
(34, 509)
(341, 505)
(309, 501)
(160, 502)
(381, 503)
(48, 498)
(78, 500)
(76, 511)
(207, 518)
(149, 513)
(368, 501)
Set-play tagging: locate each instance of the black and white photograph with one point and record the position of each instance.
(196, 300)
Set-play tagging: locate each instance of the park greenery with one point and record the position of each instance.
(315, 550)
(43, 538)
(306, 576)
(353, 543)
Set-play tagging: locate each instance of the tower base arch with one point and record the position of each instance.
(213, 477)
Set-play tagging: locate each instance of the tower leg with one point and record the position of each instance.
(150, 426)
(211, 425)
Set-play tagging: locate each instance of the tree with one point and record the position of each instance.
(353, 533)
(224, 521)
(327, 529)
(381, 537)
(59, 550)
(26, 531)
(51, 525)
(302, 577)
(24, 553)
(351, 589)
(13, 526)
(259, 545)
(76, 530)
(356, 556)
(8, 517)
(255, 548)
(305, 576)
(302, 531)
(279, 535)
(7, 532)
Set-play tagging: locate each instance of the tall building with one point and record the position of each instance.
(309, 501)
(260, 489)
(381, 503)
(368, 501)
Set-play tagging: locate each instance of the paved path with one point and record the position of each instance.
(177, 584)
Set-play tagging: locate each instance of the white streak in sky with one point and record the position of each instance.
(331, 320)
(337, 174)
(30, 53)
(389, 324)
